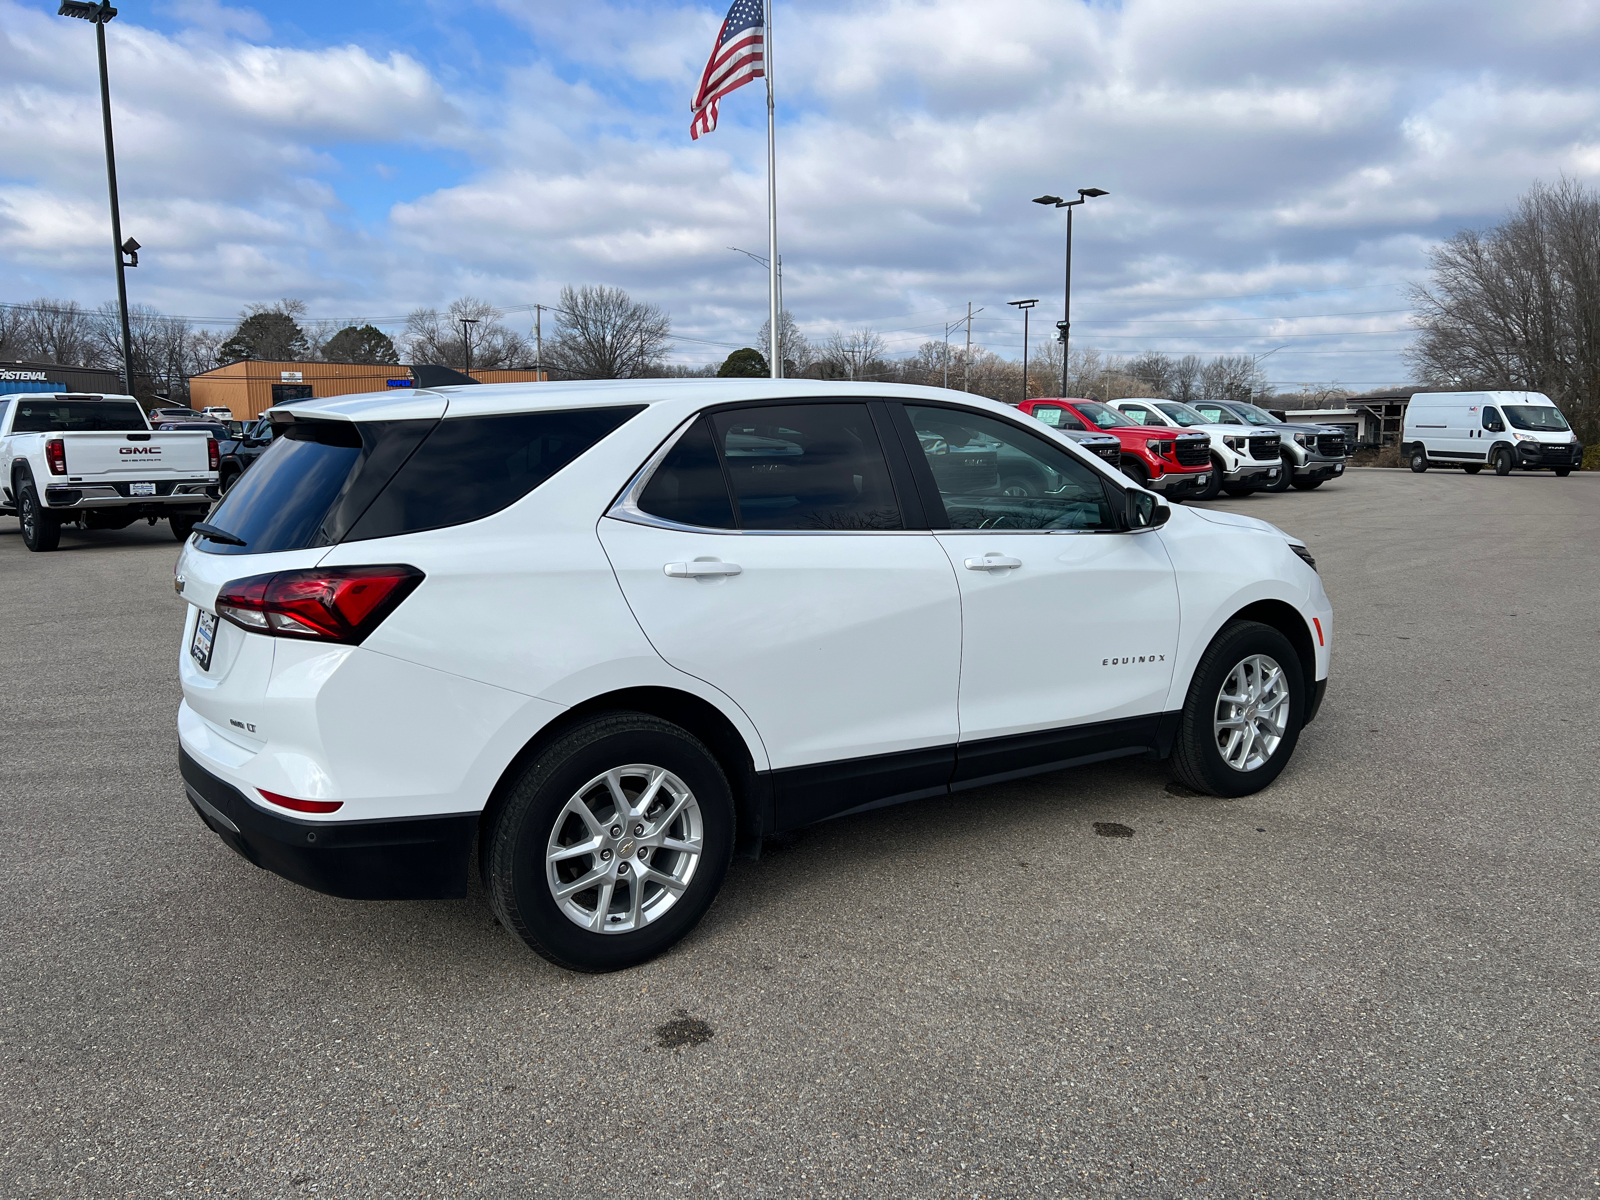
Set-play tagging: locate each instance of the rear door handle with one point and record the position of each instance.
(696, 570)
(991, 562)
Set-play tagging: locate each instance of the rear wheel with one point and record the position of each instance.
(227, 479)
(1243, 714)
(41, 530)
(1419, 458)
(1503, 462)
(612, 844)
(1308, 485)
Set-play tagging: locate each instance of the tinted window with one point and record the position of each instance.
(807, 466)
(49, 415)
(688, 487)
(992, 475)
(1181, 414)
(310, 485)
(1215, 415)
(470, 467)
(1255, 416)
(1492, 421)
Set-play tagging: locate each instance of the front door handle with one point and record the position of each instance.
(698, 570)
(991, 562)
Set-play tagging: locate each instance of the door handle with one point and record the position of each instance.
(991, 562)
(698, 570)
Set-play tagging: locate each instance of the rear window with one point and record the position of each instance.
(49, 415)
(325, 481)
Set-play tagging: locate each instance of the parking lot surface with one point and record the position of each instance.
(1378, 977)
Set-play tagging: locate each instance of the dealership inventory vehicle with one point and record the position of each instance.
(1242, 461)
(94, 461)
(1510, 431)
(609, 632)
(1313, 454)
(1177, 465)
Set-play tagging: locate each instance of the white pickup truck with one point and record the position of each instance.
(94, 461)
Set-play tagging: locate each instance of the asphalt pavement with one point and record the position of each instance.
(1378, 977)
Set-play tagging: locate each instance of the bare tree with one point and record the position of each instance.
(1517, 306)
(858, 354)
(54, 331)
(602, 333)
(443, 339)
(1233, 377)
(798, 353)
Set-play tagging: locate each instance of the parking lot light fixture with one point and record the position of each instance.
(1026, 306)
(99, 14)
(1065, 324)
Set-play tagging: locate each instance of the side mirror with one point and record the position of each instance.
(1144, 511)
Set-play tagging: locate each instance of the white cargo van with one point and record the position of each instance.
(1507, 430)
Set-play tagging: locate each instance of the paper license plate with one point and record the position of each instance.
(1339, 470)
(141, 489)
(205, 636)
(1272, 474)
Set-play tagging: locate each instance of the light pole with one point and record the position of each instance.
(466, 338)
(99, 14)
(772, 340)
(1065, 323)
(1026, 306)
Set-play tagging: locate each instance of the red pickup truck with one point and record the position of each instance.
(1173, 463)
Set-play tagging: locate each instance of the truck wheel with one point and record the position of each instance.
(1472, 468)
(1017, 487)
(1235, 489)
(41, 530)
(182, 527)
(1308, 485)
(226, 480)
(612, 843)
(1136, 471)
(1243, 714)
(1419, 458)
(1503, 462)
(1214, 488)
(1282, 482)
(1563, 472)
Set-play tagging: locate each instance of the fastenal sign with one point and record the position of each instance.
(11, 376)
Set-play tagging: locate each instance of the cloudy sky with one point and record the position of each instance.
(1277, 169)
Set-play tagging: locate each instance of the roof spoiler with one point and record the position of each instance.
(429, 375)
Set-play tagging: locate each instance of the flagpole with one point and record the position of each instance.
(774, 342)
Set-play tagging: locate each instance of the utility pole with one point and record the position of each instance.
(538, 341)
(966, 366)
(466, 337)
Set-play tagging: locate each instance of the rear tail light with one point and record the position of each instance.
(327, 604)
(306, 806)
(212, 457)
(55, 454)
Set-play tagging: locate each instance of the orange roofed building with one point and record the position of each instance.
(250, 387)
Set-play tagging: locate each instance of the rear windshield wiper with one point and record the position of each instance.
(212, 533)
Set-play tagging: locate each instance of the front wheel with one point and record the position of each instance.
(182, 527)
(1503, 462)
(1563, 472)
(1213, 486)
(1136, 471)
(1282, 482)
(612, 844)
(1018, 488)
(1419, 458)
(1308, 485)
(1234, 489)
(41, 530)
(1242, 717)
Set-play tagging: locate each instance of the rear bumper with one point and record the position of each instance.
(196, 494)
(410, 858)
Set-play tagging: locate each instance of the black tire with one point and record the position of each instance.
(1196, 755)
(182, 527)
(1136, 471)
(514, 861)
(1308, 485)
(41, 530)
(1235, 489)
(1472, 468)
(227, 479)
(1419, 458)
(1018, 487)
(1503, 462)
(1213, 488)
(1563, 472)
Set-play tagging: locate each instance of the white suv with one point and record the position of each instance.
(609, 633)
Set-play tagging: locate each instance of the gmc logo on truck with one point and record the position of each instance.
(138, 449)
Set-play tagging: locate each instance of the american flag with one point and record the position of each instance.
(736, 60)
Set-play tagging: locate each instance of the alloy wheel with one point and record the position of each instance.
(624, 849)
(1252, 713)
